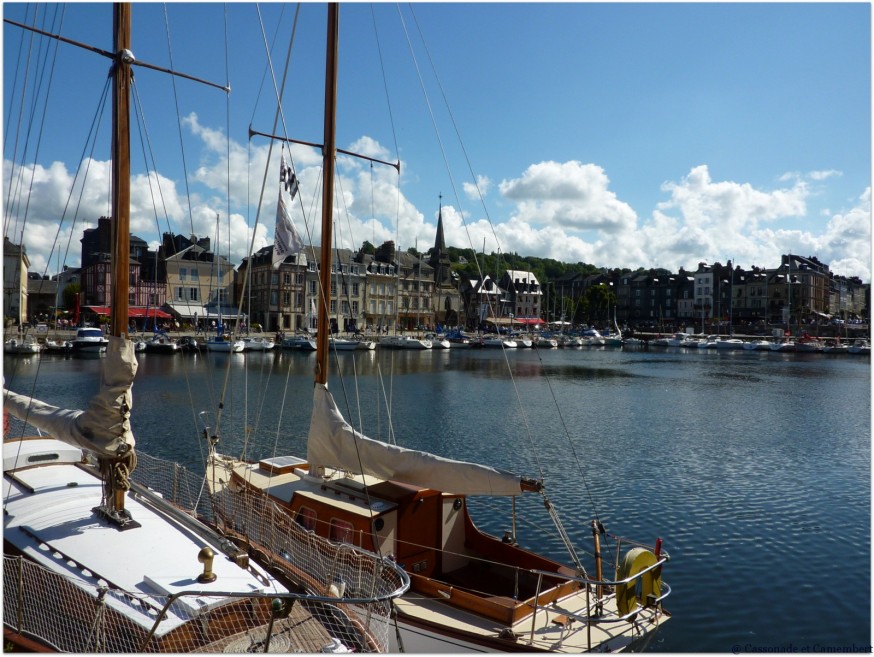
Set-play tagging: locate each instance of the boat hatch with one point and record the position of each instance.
(38, 452)
(281, 464)
(203, 602)
(349, 505)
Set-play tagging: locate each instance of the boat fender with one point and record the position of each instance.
(640, 589)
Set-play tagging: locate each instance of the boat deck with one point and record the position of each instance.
(299, 633)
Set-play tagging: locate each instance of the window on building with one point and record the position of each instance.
(183, 274)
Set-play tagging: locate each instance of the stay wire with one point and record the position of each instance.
(21, 114)
(179, 119)
(549, 505)
(46, 62)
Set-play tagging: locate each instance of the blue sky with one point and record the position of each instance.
(613, 134)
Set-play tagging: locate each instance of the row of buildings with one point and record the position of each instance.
(184, 282)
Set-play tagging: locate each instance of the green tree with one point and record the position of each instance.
(599, 299)
(69, 294)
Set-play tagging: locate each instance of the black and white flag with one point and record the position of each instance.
(286, 241)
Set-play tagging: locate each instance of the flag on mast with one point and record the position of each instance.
(286, 241)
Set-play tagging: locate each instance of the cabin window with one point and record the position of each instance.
(306, 518)
(341, 531)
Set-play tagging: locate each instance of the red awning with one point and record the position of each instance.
(148, 312)
(132, 312)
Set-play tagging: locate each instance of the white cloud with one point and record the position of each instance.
(564, 211)
(479, 189)
(570, 195)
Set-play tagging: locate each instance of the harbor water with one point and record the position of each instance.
(753, 467)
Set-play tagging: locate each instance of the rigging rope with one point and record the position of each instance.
(557, 521)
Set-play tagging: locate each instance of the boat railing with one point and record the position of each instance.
(95, 620)
(600, 591)
(260, 529)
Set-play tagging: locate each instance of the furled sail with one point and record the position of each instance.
(334, 443)
(104, 428)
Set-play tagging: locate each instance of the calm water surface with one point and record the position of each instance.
(754, 467)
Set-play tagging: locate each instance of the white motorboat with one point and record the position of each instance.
(161, 343)
(89, 341)
(301, 342)
(438, 341)
(225, 345)
(21, 347)
(257, 344)
(757, 345)
(677, 339)
(342, 344)
(496, 342)
(404, 342)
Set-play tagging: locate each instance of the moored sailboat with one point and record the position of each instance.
(107, 550)
(470, 591)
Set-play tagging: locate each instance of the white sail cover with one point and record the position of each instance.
(105, 427)
(334, 443)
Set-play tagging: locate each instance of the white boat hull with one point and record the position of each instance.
(225, 346)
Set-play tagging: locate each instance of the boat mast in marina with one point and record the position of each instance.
(100, 557)
(468, 590)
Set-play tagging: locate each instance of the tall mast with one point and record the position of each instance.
(328, 153)
(121, 169)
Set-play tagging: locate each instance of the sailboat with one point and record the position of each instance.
(469, 591)
(106, 549)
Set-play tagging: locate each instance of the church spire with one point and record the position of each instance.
(439, 259)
